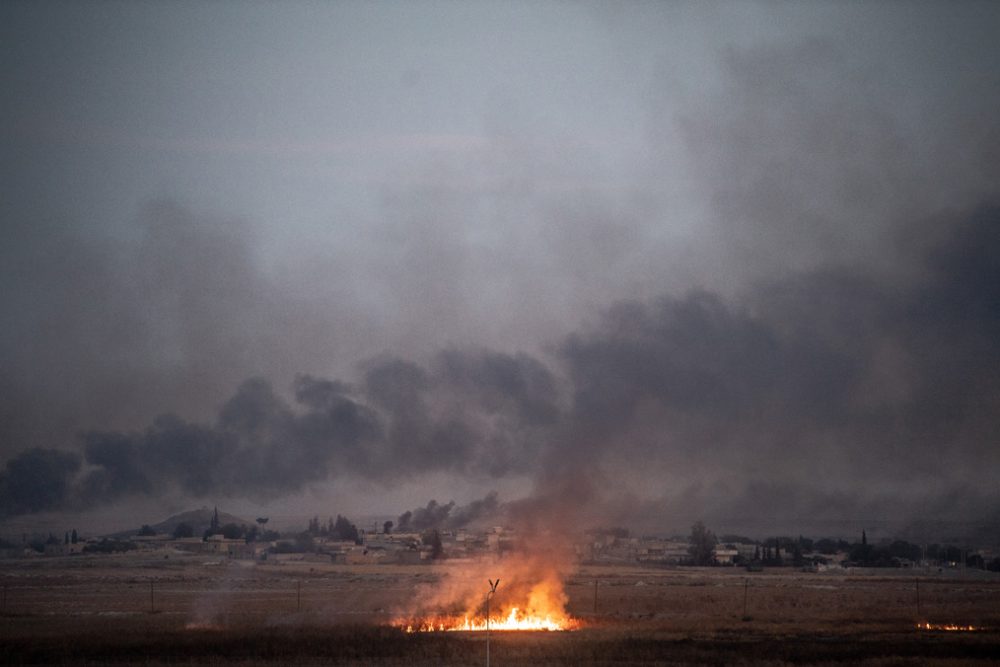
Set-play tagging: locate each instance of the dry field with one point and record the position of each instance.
(188, 610)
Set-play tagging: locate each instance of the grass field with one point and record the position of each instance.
(188, 610)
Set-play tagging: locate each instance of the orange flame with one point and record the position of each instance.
(537, 606)
(529, 593)
(948, 627)
(514, 620)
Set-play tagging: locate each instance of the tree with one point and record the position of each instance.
(232, 531)
(343, 529)
(863, 554)
(797, 559)
(73, 538)
(701, 545)
(904, 550)
(432, 538)
(182, 530)
(387, 527)
(146, 530)
(214, 527)
(829, 547)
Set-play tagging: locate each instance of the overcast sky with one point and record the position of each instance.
(730, 259)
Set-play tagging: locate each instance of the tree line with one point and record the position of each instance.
(802, 551)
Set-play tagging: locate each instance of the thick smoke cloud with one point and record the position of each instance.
(814, 154)
(448, 515)
(112, 328)
(477, 411)
(37, 480)
(423, 518)
(470, 413)
(828, 372)
(751, 257)
(826, 394)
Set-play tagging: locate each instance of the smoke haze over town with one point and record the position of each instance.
(617, 264)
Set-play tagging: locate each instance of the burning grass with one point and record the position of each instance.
(529, 595)
(515, 620)
(949, 627)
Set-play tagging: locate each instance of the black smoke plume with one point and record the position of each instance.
(829, 388)
(448, 515)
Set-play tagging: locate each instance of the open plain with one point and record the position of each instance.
(188, 610)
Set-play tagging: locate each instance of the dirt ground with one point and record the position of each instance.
(147, 609)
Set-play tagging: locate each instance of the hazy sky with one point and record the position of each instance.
(729, 259)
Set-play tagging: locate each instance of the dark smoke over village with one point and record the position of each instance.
(750, 396)
(749, 277)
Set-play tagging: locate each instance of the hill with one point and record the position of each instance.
(200, 520)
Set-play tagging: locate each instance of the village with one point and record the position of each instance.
(338, 541)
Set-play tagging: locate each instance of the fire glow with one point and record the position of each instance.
(531, 598)
(949, 627)
(514, 620)
(538, 604)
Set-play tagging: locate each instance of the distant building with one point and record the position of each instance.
(725, 555)
(64, 549)
(745, 549)
(151, 542)
(192, 544)
(242, 550)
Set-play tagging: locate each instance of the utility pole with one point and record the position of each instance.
(493, 589)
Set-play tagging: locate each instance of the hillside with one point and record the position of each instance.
(199, 520)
